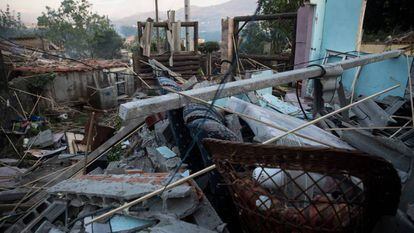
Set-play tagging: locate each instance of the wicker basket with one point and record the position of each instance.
(296, 189)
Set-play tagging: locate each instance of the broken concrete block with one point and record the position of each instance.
(162, 162)
(140, 162)
(163, 132)
(47, 227)
(43, 211)
(96, 171)
(166, 152)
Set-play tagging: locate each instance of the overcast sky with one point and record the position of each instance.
(115, 9)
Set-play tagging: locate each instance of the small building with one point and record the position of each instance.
(98, 82)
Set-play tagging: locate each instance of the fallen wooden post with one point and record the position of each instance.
(167, 102)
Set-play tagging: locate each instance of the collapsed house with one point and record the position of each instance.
(242, 151)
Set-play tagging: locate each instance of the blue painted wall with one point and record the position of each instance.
(378, 76)
(336, 27)
(341, 25)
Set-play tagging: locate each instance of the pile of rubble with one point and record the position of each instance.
(323, 148)
(78, 176)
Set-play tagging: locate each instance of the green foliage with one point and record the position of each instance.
(81, 32)
(387, 17)
(279, 6)
(106, 44)
(209, 47)
(115, 153)
(276, 33)
(10, 24)
(254, 39)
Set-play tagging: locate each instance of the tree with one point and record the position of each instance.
(278, 33)
(10, 25)
(82, 32)
(388, 17)
(209, 47)
(254, 39)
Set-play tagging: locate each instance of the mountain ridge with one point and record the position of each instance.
(209, 17)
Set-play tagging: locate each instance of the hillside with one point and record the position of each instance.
(209, 18)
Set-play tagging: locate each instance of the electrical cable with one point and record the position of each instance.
(297, 88)
(299, 102)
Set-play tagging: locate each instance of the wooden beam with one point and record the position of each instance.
(173, 101)
(291, 15)
(165, 24)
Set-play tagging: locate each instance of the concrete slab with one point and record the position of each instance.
(104, 190)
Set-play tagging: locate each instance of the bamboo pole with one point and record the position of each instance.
(43, 177)
(34, 106)
(31, 192)
(10, 141)
(21, 106)
(247, 116)
(28, 93)
(330, 114)
(399, 130)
